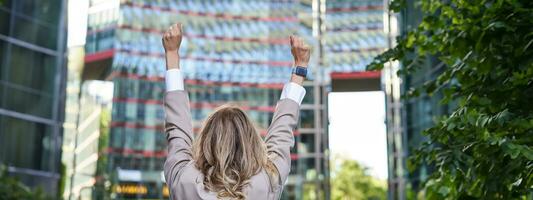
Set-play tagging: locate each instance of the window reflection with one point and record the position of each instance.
(26, 144)
(307, 118)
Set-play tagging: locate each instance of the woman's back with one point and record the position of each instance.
(186, 181)
(191, 186)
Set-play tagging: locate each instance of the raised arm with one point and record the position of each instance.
(280, 137)
(178, 125)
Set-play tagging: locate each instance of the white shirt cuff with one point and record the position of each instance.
(293, 91)
(174, 80)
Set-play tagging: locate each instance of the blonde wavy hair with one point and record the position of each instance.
(229, 151)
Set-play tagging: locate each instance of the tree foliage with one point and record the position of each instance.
(13, 189)
(102, 190)
(484, 148)
(350, 180)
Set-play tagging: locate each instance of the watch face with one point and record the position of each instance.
(300, 71)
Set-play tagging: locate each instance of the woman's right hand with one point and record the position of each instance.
(300, 51)
(171, 42)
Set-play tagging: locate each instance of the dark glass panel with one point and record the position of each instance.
(26, 144)
(45, 11)
(307, 119)
(307, 144)
(309, 95)
(3, 60)
(6, 4)
(5, 16)
(32, 69)
(27, 101)
(29, 30)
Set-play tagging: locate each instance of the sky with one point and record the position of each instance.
(357, 129)
(77, 22)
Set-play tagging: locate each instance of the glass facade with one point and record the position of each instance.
(233, 51)
(354, 34)
(32, 46)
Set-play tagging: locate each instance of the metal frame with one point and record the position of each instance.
(319, 106)
(394, 114)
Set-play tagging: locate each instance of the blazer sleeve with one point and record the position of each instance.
(280, 138)
(178, 129)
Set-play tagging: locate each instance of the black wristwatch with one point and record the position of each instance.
(300, 71)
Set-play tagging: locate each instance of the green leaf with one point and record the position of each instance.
(526, 151)
(397, 5)
(444, 191)
(512, 150)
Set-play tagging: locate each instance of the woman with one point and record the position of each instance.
(228, 159)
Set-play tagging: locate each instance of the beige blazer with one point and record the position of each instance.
(185, 180)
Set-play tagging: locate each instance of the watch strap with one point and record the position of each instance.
(300, 71)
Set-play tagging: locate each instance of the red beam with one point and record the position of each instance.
(102, 55)
(213, 15)
(134, 125)
(356, 75)
(352, 9)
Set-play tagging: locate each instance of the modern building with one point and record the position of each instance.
(233, 52)
(32, 90)
(354, 35)
(82, 146)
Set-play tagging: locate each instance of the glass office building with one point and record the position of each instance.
(32, 75)
(233, 51)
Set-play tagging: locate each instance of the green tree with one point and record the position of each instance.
(13, 189)
(483, 149)
(350, 181)
(103, 190)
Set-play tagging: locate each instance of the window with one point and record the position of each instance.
(148, 140)
(44, 11)
(3, 60)
(131, 112)
(26, 144)
(5, 16)
(30, 82)
(308, 168)
(5, 4)
(117, 134)
(32, 69)
(152, 117)
(141, 113)
(307, 144)
(160, 142)
(29, 30)
(309, 95)
(307, 119)
(27, 101)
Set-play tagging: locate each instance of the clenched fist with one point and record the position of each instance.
(172, 38)
(300, 51)
(171, 42)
